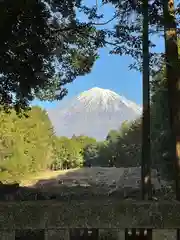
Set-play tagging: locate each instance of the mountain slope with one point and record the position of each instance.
(93, 113)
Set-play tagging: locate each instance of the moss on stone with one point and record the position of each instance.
(102, 213)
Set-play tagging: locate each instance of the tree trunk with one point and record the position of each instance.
(146, 150)
(173, 80)
(146, 158)
(146, 191)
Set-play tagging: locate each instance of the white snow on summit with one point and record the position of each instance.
(93, 113)
(105, 96)
(98, 93)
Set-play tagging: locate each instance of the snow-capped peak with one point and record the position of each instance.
(105, 96)
(93, 113)
(96, 97)
(96, 93)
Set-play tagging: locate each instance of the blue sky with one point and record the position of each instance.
(110, 72)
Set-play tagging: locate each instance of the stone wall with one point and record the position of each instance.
(64, 234)
(52, 220)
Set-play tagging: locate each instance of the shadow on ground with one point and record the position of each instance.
(80, 184)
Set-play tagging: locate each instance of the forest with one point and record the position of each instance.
(47, 44)
(28, 144)
(41, 51)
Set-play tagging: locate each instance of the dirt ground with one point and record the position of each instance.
(124, 177)
(96, 180)
(82, 176)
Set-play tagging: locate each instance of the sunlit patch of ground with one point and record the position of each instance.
(91, 181)
(83, 177)
(33, 179)
(84, 183)
(121, 183)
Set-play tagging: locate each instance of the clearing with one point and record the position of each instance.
(94, 181)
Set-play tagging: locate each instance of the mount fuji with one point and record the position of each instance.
(93, 113)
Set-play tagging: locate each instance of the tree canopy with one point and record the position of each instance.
(45, 45)
(40, 52)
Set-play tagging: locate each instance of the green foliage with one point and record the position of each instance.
(90, 155)
(160, 125)
(112, 136)
(32, 45)
(122, 148)
(35, 42)
(60, 159)
(28, 145)
(83, 141)
(128, 147)
(26, 142)
(68, 153)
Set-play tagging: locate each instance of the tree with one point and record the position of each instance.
(127, 33)
(26, 143)
(122, 148)
(60, 156)
(125, 126)
(112, 136)
(90, 155)
(111, 147)
(51, 37)
(67, 154)
(83, 141)
(146, 150)
(32, 49)
(105, 158)
(128, 146)
(75, 157)
(173, 81)
(160, 126)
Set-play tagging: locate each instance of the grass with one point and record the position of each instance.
(32, 179)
